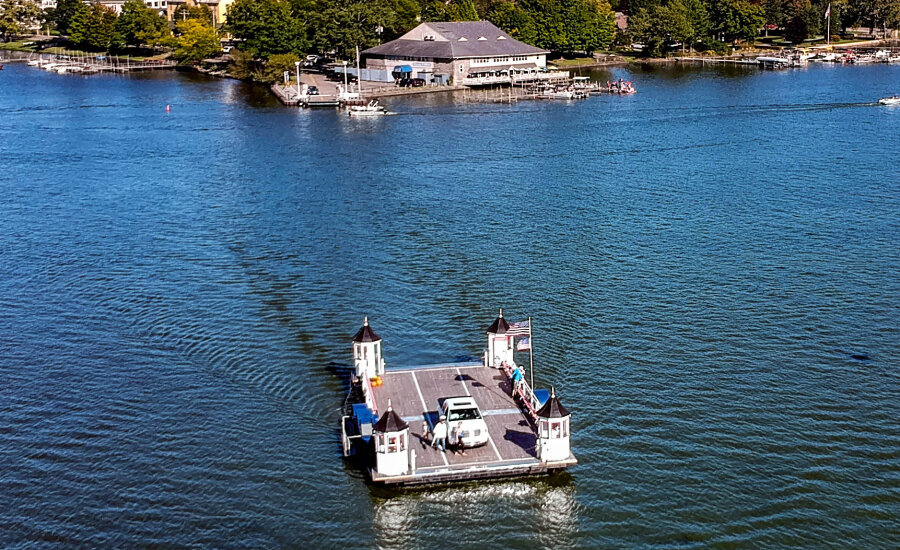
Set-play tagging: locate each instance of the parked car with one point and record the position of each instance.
(463, 410)
(313, 90)
(418, 82)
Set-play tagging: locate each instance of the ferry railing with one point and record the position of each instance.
(521, 389)
(369, 394)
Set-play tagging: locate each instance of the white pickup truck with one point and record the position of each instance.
(464, 410)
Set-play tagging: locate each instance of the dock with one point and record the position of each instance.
(389, 419)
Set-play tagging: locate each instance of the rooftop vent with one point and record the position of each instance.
(482, 38)
(501, 38)
(463, 39)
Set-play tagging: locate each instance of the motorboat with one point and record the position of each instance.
(893, 100)
(372, 109)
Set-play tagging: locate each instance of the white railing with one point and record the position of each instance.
(522, 389)
(518, 77)
(370, 394)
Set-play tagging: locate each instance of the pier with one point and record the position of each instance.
(390, 414)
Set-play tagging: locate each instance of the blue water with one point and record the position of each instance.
(711, 265)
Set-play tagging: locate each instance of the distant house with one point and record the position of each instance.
(116, 5)
(219, 8)
(463, 52)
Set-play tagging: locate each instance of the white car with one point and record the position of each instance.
(464, 410)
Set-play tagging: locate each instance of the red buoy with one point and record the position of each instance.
(168, 108)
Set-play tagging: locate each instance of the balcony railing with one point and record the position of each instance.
(515, 78)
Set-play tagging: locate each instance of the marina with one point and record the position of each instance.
(80, 63)
(392, 415)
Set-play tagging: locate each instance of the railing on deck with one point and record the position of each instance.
(370, 395)
(516, 78)
(522, 390)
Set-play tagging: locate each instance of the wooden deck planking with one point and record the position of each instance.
(512, 439)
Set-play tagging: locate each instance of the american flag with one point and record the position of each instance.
(522, 328)
(828, 11)
(524, 344)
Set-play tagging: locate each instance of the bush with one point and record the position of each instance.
(276, 65)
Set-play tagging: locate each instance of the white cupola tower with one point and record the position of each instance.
(499, 344)
(391, 435)
(367, 358)
(553, 431)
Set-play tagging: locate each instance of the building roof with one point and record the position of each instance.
(390, 422)
(455, 40)
(366, 334)
(552, 408)
(499, 326)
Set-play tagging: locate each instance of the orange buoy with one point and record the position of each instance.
(168, 108)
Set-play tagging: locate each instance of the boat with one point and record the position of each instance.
(450, 422)
(893, 100)
(372, 109)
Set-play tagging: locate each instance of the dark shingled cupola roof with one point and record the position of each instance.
(366, 334)
(552, 408)
(499, 326)
(390, 422)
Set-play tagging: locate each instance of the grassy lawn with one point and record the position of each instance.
(571, 62)
(18, 46)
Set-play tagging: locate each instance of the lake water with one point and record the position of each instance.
(712, 265)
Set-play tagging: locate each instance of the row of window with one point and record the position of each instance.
(362, 352)
(506, 59)
(406, 58)
(390, 443)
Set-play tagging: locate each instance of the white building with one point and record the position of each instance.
(464, 52)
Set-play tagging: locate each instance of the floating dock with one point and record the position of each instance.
(389, 417)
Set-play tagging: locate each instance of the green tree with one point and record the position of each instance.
(18, 17)
(514, 20)
(342, 25)
(64, 12)
(242, 64)
(195, 41)
(94, 28)
(201, 13)
(567, 26)
(449, 10)
(266, 27)
(277, 65)
(140, 25)
(735, 19)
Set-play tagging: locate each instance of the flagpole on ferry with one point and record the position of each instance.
(531, 354)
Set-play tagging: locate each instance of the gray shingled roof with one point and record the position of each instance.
(464, 40)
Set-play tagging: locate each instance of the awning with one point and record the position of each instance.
(402, 69)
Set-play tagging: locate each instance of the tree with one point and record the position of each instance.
(138, 24)
(195, 41)
(514, 20)
(94, 28)
(18, 17)
(735, 19)
(65, 11)
(201, 13)
(342, 25)
(266, 27)
(449, 10)
(568, 26)
(277, 65)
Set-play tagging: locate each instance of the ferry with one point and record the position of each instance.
(455, 421)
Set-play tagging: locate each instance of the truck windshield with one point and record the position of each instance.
(463, 414)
